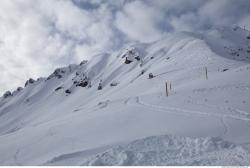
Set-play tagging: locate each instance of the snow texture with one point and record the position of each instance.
(64, 119)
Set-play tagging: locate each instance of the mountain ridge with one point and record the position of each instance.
(120, 97)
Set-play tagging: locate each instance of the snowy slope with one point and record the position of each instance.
(171, 150)
(65, 120)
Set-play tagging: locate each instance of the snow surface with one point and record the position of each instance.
(201, 122)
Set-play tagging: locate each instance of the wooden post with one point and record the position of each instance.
(166, 89)
(170, 86)
(206, 73)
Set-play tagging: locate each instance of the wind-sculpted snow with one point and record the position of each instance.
(173, 150)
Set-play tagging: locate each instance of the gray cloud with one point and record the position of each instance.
(37, 36)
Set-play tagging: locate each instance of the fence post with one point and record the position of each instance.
(206, 73)
(170, 86)
(166, 89)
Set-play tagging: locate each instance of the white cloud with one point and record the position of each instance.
(37, 36)
(140, 21)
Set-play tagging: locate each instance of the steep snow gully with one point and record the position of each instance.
(114, 110)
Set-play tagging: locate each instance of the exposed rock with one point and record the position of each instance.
(127, 61)
(58, 73)
(83, 62)
(224, 70)
(143, 71)
(150, 75)
(100, 86)
(138, 58)
(82, 83)
(30, 81)
(67, 91)
(19, 89)
(114, 83)
(7, 94)
(59, 88)
(131, 55)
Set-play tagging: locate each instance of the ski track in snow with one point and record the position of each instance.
(176, 110)
(220, 108)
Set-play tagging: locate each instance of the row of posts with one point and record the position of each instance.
(169, 85)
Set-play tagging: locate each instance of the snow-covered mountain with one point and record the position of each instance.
(113, 109)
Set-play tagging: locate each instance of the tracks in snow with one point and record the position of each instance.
(174, 110)
(185, 111)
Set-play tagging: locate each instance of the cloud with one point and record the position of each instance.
(140, 22)
(38, 36)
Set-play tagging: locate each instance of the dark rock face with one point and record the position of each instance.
(83, 62)
(82, 83)
(150, 76)
(7, 94)
(131, 55)
(143, 71)
(67, 91)
(248, 37)
(114, 84)
(19, 89)
(138, 58)
(99, 86)
(224, 70)
(58, 73)
(59, 88)
(30, 81)
(127, 61)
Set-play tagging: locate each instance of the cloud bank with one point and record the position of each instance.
(38, 36)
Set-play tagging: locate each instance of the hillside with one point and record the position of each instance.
(107, 111)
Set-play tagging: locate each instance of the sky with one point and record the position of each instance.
(37, 36)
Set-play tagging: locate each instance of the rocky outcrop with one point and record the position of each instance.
(7, 94)
(30, 81)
